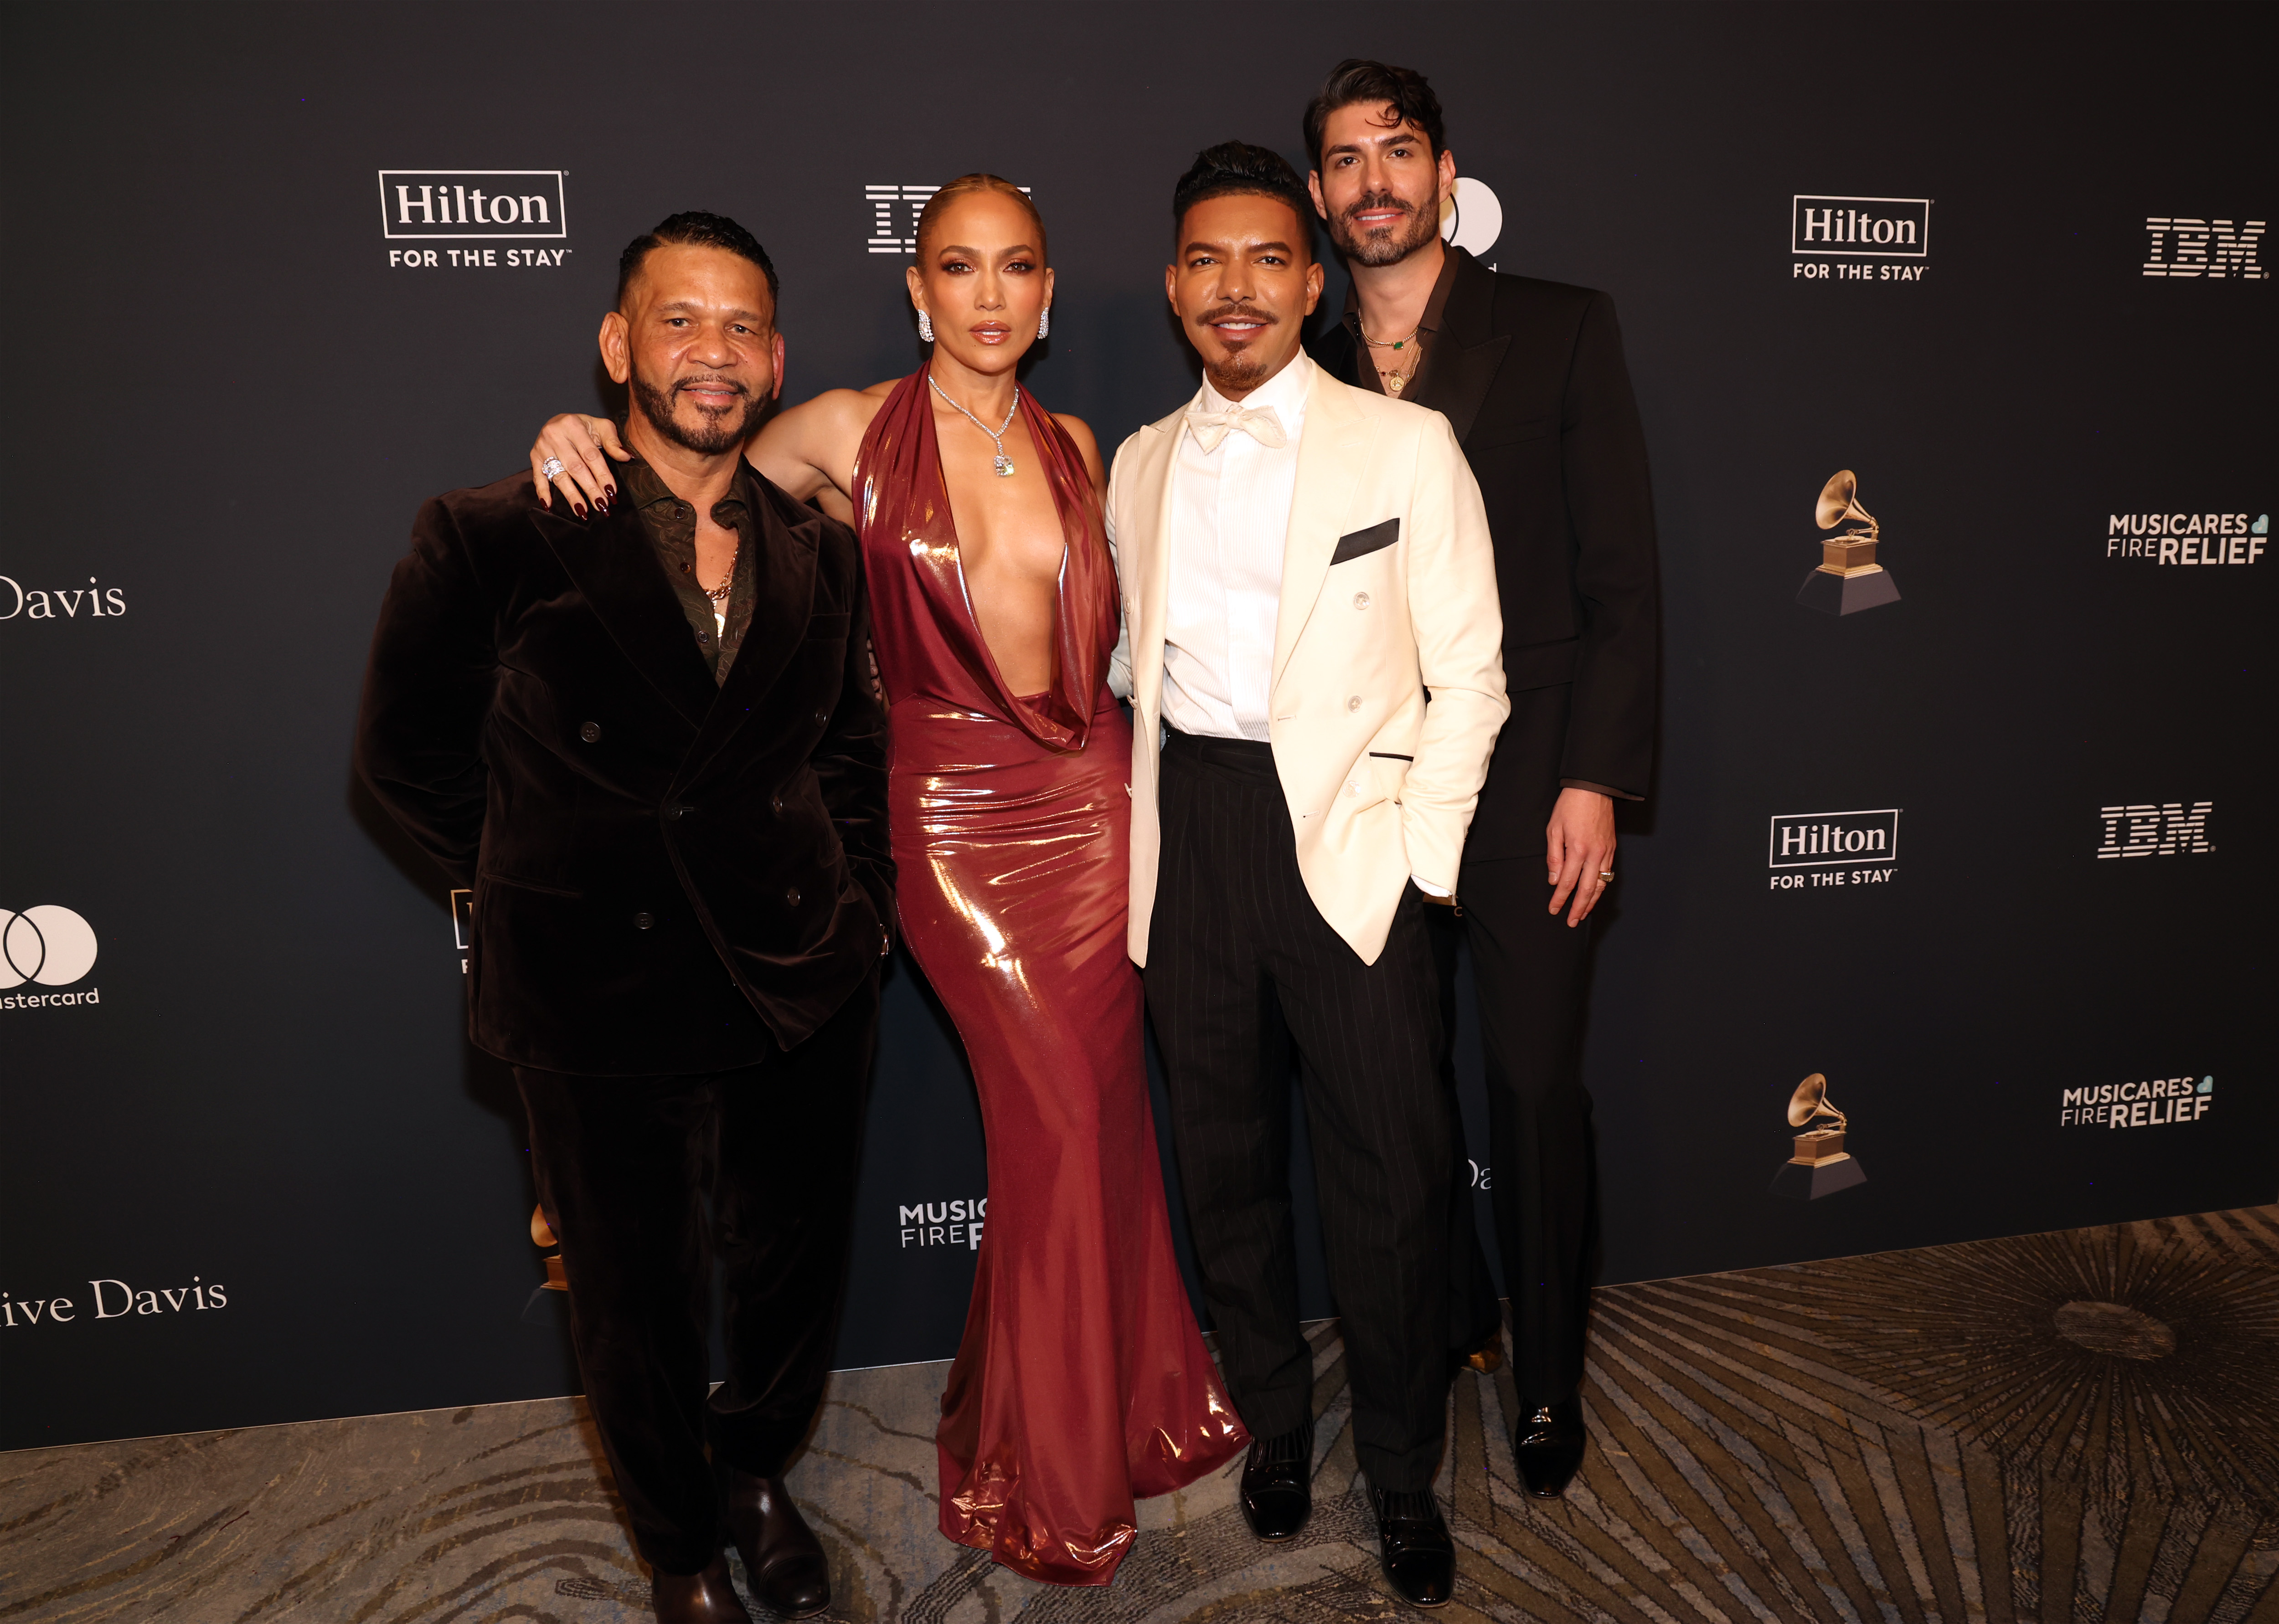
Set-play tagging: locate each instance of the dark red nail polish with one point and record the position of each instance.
(578, 508)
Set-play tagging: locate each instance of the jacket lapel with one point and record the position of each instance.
(1332, 453)
(1466, 366)
(615, 569)
(783, 604)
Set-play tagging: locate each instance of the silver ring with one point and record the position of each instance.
(551, 468)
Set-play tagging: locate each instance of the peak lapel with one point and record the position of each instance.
(1151, 504)
(613, 565)
(1331, 454)
(1466, 365)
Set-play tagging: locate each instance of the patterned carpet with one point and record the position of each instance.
(2080, 1428)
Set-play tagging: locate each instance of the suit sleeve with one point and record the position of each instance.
(1610, 727)
(428, 692)
(1119, 659)
(851, 766)
(1458, 624)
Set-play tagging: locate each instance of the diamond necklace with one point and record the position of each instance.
(1004, 463)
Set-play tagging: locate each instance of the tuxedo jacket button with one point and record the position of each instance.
(775, 803)
(643, 921)
(791, 897)
(1354, 703)
(591, 732)
(1361, 600)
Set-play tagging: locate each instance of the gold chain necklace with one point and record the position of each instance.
(1395, 379)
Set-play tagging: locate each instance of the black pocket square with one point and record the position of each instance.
(1366, 540)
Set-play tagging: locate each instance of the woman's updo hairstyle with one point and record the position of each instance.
(929, 216)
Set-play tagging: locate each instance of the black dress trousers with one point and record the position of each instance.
(627, 1168)
(1531, 970)
(1239, 964)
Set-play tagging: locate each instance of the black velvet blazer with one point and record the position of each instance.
(669, 876)
(1530, 375)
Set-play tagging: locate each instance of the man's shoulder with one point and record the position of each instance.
(829, 534)
(477, 510)
(1405, 417)
(1518, 299)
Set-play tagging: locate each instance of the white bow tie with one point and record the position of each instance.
(1261, 422)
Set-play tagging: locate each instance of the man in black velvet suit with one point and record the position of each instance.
(1530, 375)
(645, 735)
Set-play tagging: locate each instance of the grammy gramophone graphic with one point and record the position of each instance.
(1820, 1165)
(1848, 579)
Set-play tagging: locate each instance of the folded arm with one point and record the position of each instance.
(428, 692)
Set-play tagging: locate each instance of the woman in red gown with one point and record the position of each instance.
(1081, 1382)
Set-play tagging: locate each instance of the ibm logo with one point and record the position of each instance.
(2211, 249)
(2148, 830)
(1830, 840)
(1867, 227)
(472, 202)
(883, 199)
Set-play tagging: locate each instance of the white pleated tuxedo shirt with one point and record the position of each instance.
(1229, 518)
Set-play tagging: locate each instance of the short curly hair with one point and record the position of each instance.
(1233, 168)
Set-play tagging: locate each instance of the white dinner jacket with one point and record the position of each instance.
(1388, 592)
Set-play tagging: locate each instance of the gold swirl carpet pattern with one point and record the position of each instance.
(2070, 1428)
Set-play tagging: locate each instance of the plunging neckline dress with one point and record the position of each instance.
(1081, 1382)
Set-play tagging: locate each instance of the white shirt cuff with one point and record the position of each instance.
(1429, 888)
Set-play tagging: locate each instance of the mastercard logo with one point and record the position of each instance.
(49, 945)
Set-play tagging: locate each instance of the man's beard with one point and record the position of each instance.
(720, 431)
(1382, 245)
(1238, 371)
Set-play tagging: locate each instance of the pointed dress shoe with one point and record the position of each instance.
(783, 1561)
(1547, 1447)
(1278, 1484)
(1414, 1543)
(697, 1598)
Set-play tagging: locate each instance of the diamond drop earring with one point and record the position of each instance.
(925, 326)
(1045, 322)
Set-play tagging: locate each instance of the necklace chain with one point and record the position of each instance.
(720, 594)
(1395, 379)
(1004, 463)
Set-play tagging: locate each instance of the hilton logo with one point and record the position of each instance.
(472, 202)
(1848, 228)
(1833, 849)
(885, 197)
(2212, 249)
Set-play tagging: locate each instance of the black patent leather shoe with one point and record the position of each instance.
(783, 1561)
(696, 1598)
(1278, 1484)
(1413, 1540)
(1547, 1447)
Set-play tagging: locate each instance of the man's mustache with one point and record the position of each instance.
(1248, 312)
(1379, 200)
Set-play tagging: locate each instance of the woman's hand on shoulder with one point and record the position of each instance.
(1080, 432)
(579, 442)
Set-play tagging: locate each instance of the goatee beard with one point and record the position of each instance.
(1382, 245)
(720, 431)
(1237, 373)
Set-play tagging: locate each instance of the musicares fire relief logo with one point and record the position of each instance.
(2156, 1102)
(471, 211)
(2187, 538)
(1813, 849)
(2182, 246)
(944, 1223)
(47, 946)
(1833, 239)
(2166, 829)
(92, 601)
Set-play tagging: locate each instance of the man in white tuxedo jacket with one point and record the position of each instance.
(1313, 649)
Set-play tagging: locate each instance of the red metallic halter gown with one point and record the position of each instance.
(1081, 1382)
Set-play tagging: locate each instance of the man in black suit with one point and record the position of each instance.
(645, 736)
(1531, 377)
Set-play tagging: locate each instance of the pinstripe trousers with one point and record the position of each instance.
(1240, 963)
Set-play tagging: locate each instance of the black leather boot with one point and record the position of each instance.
(1278, 1484)
(783, 1561)
(696, 1598)
(1414, 1543)
(1547, 1447)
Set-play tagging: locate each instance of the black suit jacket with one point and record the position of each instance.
(1531, 377)
(669, 875)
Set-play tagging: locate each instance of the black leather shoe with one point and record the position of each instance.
(1547, 1447)
(1278, 1484)
(697, 1598)
(783, 1562)
(1420, 1558)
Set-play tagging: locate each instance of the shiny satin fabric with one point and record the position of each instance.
(1081, 1382)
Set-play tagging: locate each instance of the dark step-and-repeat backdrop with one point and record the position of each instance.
(1989, 850)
